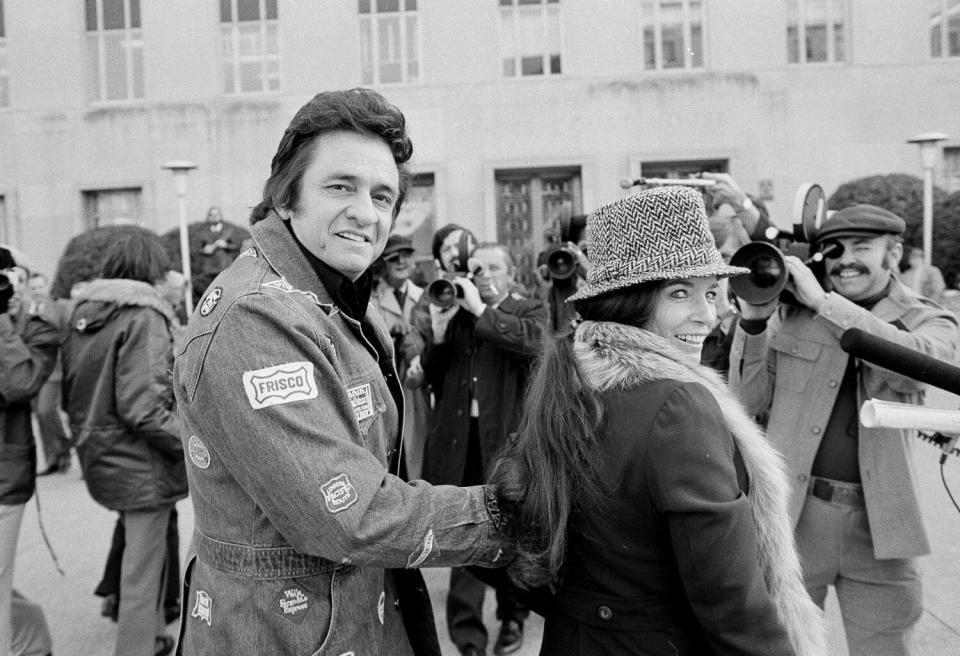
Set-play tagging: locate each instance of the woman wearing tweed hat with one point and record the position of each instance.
(643, 494)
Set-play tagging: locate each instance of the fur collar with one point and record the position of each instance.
(617, 356)
(123, 292)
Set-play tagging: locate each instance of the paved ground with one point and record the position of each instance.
(79, 531)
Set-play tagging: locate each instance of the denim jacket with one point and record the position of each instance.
(289, 429)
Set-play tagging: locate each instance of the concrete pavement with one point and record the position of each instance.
(80, 530)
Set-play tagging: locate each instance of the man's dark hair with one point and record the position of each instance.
(136, 255)
(356, 110)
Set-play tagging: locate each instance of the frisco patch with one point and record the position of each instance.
(293, 603)
(250, 252)
(361, 398)
(199, 454)
(210, 301)
(203, 608)
(339, 493)
(283, 383)
(281, 284)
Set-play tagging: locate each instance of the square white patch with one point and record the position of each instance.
(361, 398)
(283, 383)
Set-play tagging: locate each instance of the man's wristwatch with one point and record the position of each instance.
(746, 205)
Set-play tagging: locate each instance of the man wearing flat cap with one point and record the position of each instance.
(396, 296)
(853, 502)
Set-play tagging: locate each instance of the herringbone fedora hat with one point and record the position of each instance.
(657, 234)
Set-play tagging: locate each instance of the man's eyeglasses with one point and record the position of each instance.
(396, 257)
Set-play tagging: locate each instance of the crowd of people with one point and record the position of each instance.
(651, 463)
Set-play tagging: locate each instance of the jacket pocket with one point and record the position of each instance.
(796, 360)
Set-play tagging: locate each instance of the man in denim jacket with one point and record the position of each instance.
(292, 412)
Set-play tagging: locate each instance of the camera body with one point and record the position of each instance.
(444, 291)
(6, 291)
(768, 271)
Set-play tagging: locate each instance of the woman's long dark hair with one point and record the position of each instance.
(552, 468)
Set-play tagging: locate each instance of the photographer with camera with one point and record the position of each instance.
(563, 266)
(28, 350)
(477, 357)
(853, 503)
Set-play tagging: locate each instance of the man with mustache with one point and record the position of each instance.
(854, 505)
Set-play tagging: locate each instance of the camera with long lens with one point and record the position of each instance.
(768, 275)
(560, 258)
(444, 291)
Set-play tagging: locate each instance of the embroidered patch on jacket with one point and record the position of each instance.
(293, 602)
(203, 608)
(284, 286)
(199, 454)
(250, 252)
(380, 604)
(282, 383)
(281, 285)
(361, 399)
(339, 493)
(426, 547)
(210, 301)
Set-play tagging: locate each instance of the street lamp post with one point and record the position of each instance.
(180, 168)
(928, 157)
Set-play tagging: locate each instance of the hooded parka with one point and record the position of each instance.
(117, 391)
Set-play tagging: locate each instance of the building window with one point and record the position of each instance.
(389, 41)
(103, 207)
(249, 50)
(951, 168)
(820, 25)
(114, 50)
(672, 34)
(944, 28)
(528, 203)
(530, 37)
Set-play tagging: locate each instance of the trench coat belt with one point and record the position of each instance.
(281, 562)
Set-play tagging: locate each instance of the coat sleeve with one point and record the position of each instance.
(933, 332)
(26, 358)
(303, 462)
(516, 328)
(694, 484)
(752, 371)
(144, 387)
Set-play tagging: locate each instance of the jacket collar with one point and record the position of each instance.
(124, 292)
(284, 256)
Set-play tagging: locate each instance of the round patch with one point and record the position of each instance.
(210, 301)
(380, 603)
(199, 455)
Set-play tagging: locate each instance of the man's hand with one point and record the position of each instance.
(751, 311)
(804, 284)
(440, 319)
(471, 301)
(414, 376)
(725, 190)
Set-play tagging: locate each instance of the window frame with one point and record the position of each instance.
(546, 58)
(687, 36)
(372, 18)
(837, 11)
(941, 23)
(231, 30)
(131, 41)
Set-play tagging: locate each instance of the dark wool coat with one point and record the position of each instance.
(118, 393)
(28, 351)
(492, 355)
(694, 554)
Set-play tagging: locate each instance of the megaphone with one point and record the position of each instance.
(768, 271)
